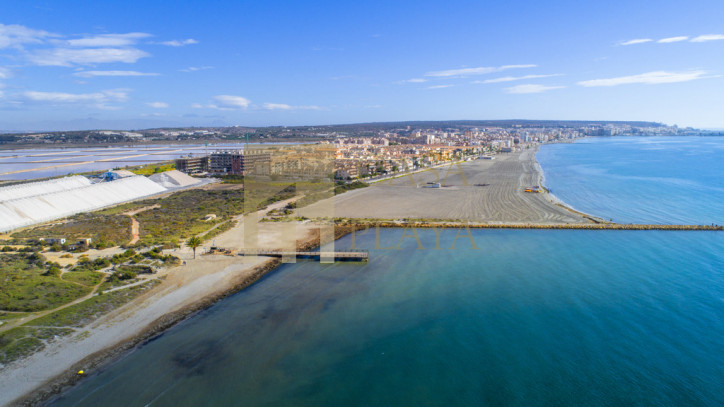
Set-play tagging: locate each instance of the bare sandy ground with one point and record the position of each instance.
(204, 277)
(485, 191)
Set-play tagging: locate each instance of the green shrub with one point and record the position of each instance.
(53, 271)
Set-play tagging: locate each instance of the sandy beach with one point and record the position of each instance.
(185, 290)
(484, 191)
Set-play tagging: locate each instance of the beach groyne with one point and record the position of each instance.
(570, 226)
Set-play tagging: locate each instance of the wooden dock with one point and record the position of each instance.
(354, 255)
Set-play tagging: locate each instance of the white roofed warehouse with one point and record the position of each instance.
(48, 200)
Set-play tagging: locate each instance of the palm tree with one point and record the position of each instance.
(194, 242)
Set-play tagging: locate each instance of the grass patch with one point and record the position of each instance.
(223, 227)
(154, 168)
(86, 277)
(180, 215)
(106, 229)
(230, 179)
(342, 187)
(5, 316)
(87, 311)
(25, 287)
(115, 281)
(24, 341)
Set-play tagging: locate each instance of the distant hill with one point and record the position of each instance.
(488, 123)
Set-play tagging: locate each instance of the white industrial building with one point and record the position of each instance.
(37, 202)
(42, 187)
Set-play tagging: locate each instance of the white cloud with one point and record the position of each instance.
(158, 105)
(708, 37)
(4, 73)
(70, 57)
(516, 78)
(196, 68)
(531, 88)
(439, 86)
(97, 99)
(14, 35)
(282, 106)
(229, 102)
(179, 43)
(475, 71)
(107, 40)
(90, 74)
(636, 41)
(701, 38)
(649, 78)
(672, 39)
(414, 80)
(276, 106)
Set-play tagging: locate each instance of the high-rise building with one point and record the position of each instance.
(193, 165)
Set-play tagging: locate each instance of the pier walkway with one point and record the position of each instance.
(353, 255)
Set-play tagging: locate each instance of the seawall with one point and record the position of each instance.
(571, 226)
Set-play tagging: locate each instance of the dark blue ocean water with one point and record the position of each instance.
(670, 180)
(530, 318)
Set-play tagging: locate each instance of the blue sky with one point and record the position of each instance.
(133, 64)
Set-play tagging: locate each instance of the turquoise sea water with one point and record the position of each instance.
(670, 180)
(530, 318)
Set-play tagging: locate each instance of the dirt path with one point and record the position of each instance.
(135, 226)
(139, 282)
(17, 322)
(134, 231)
(139, 210)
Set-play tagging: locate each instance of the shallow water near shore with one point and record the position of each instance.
(554, 317)
(666, 180)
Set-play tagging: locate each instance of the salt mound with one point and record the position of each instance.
(124, 173)
(42, 187)
(29, 210)
(173, 179)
